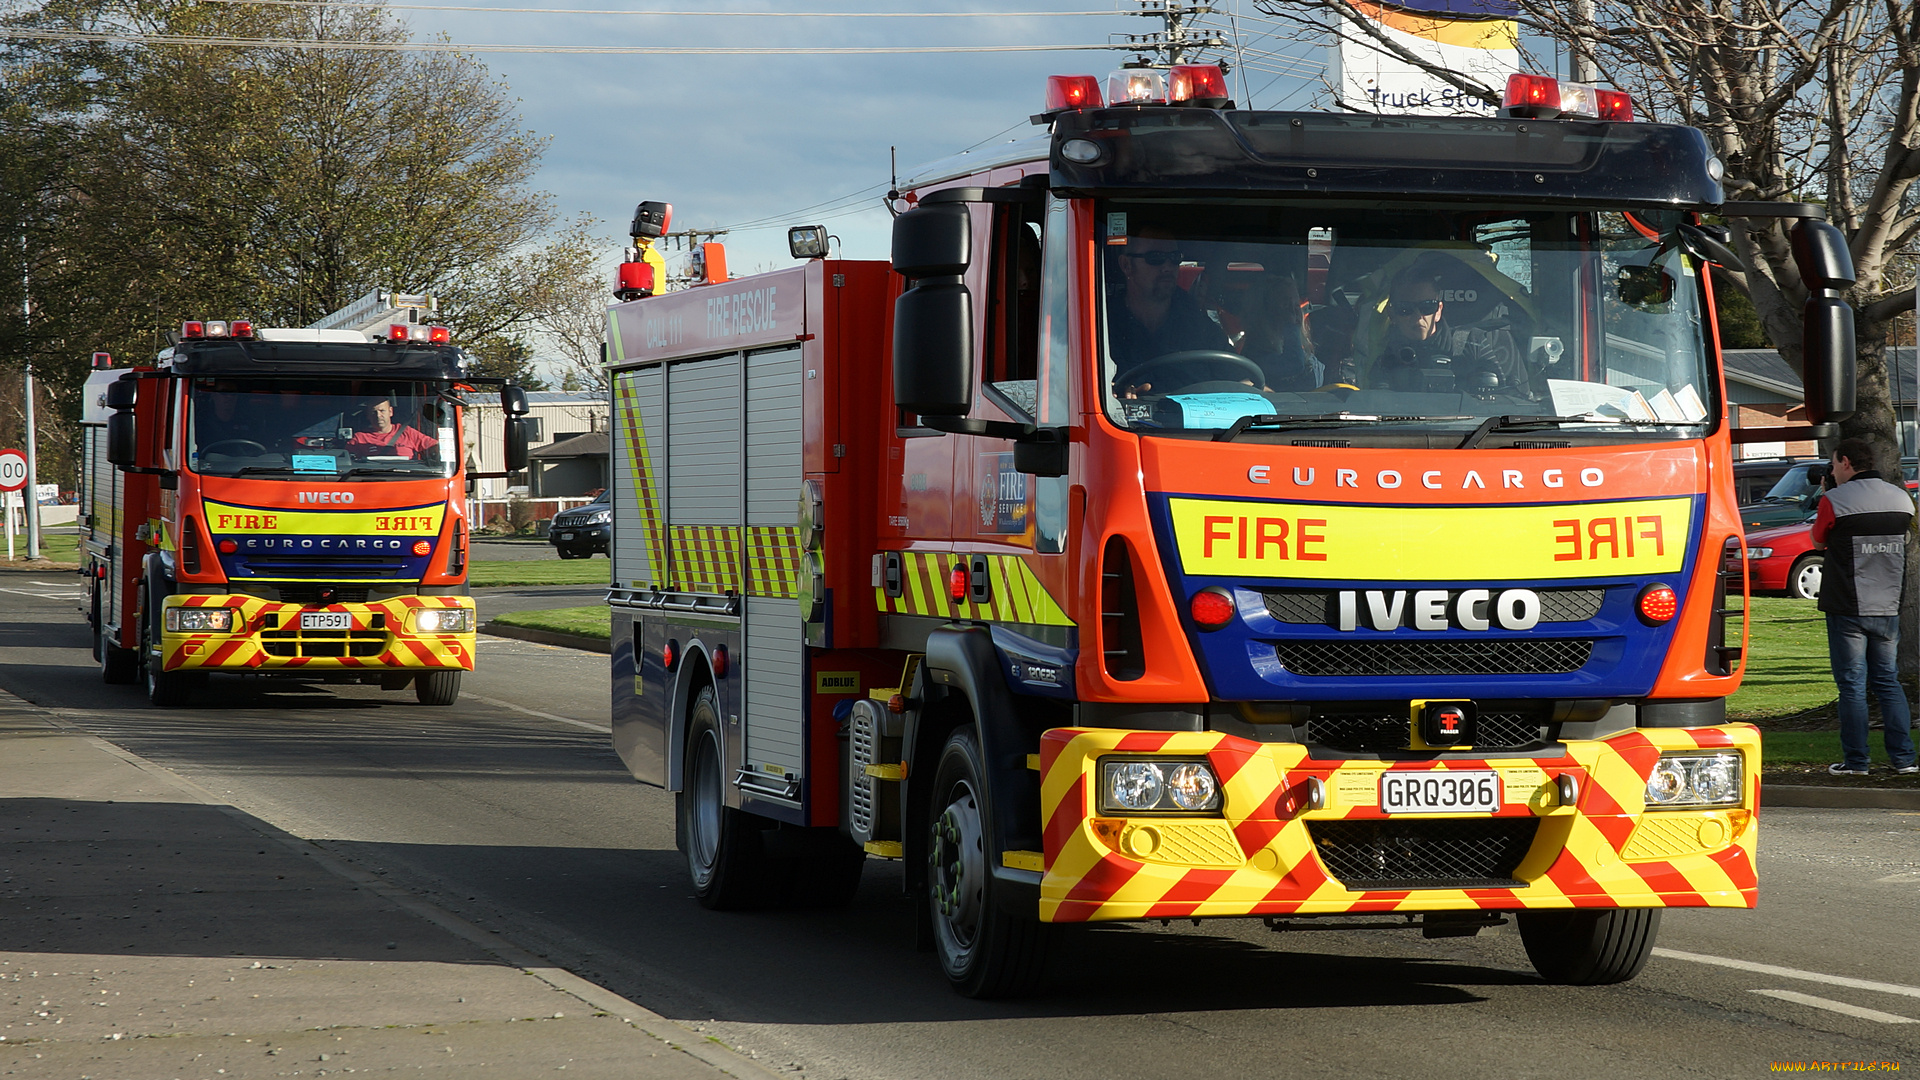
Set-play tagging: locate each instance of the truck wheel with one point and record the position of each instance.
(437, 687)
(724, 851)
(1803, 581)
(1589, 948)
(164, 688)
(118, 666)
(987, 952)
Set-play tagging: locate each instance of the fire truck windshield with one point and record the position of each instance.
(305, 429)
(1268, 317)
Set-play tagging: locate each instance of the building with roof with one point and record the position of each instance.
(1763, 391)
(561, 471)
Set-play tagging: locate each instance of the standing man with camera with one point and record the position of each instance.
(1863, 524)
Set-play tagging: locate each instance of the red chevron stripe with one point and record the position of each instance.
(1066, 819)
(1672, 885)
(1711, 738)
(1108, 876)
(1052, 741)
(1256, 833)
(1738, 866)
(1146, 742)
(1194, 888)
(1231, 756)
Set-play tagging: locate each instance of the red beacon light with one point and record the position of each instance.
(1072, 92)
(1542, 97)
(1533, 97)
(240, 328)
(439, 335)
(1204, 85)
(193, 328)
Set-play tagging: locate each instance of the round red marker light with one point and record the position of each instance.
(957, 584)
(1211, 608)
(1658, 604)
(719, 662)
(228, 547)
(669, 653)
(421, 547)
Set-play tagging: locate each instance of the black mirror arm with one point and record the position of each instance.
(1702, 246)
(967, 425)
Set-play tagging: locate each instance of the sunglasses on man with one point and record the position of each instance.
(1157, 258)
(1422, 308)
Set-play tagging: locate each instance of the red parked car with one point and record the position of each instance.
(1782, 559)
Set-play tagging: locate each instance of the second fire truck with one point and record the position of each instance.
(286, 502)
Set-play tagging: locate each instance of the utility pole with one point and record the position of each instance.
(33, 476)
(1177, 39)
(31, 492)
(1580, 66)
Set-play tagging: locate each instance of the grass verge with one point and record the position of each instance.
(1787, 669)
(594, 622)
(482, 573)
(60, 547)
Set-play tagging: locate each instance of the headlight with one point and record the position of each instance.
(1681, 781)
(600, 517)
(1129, 786)
(1759, 553)
(442, 620)
(216, 619)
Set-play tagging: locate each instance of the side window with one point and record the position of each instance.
(1011, 360)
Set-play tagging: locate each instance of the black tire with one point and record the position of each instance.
(437, 687)
(1803, 581)
(1589, 948)
(725, 855)
(985, 951)
(167, 689)
(118, 666)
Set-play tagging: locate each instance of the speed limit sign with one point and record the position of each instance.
(13, 470)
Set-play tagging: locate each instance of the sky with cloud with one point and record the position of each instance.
(779, 140)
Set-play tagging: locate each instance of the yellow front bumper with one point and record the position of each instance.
(1270, 853)
(268, 636)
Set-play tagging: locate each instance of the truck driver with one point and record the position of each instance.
(383, 438)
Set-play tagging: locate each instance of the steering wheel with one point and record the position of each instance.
(1218, 357)
(237, 448)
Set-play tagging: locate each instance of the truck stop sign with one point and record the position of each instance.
(13, 470)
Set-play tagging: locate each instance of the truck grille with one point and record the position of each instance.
(1377, 731)
(1530, 656)
(1315, 607)
(317, 643)
(1430, 853)
(310, 594)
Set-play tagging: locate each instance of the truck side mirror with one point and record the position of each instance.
(933, 319)
(513, 400)
(121, 436)
(1820, 253)
(1827, 357)
(516, 444)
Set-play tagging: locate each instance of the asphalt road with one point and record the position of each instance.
(510, 810)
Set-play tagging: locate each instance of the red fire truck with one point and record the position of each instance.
(286, 503)
(1215, 513)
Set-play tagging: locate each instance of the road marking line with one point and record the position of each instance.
(1836, 1006)
(47, 596)
(1791, 973)
(497, 703)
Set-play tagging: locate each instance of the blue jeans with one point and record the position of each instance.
(1865, 654)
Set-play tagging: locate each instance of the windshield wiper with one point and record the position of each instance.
(1509, 423)
(1240, 426)
(259, 469)
(376, 470)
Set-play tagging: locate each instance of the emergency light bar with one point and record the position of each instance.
(1204, 85)
(432, 335)
(1542, 97)
(1201, 85)
(216, 328)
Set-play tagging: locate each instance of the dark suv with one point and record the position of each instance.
(583, 530)
(1794, 496)
(1754, 477)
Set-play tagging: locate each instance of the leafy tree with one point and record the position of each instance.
(502, 356)
(153, 183)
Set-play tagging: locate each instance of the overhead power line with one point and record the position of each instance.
(702, 14)
(326, 45)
